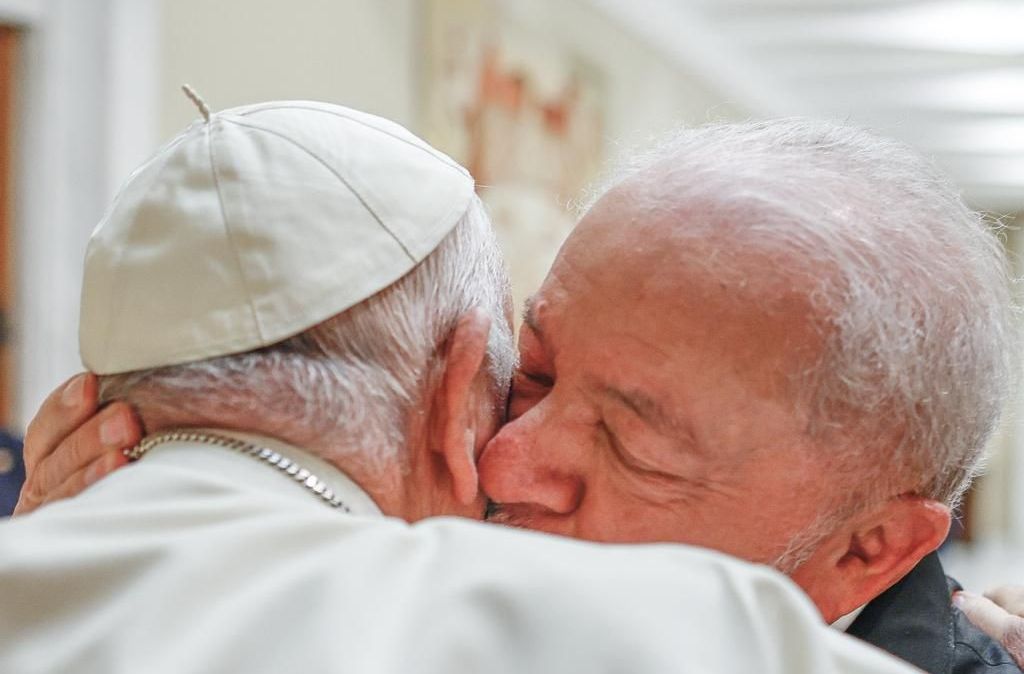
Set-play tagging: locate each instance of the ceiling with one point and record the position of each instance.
(944, 75)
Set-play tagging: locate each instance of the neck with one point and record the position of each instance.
(382, 479)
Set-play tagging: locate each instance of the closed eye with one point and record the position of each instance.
(537, 378)
(528, 388)
(629, 460)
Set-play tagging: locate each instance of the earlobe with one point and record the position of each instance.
(463, 377)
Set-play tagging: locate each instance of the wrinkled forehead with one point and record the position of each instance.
(627, 247)
(630, 271)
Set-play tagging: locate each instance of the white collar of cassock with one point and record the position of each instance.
(251, 471)
(844, 622)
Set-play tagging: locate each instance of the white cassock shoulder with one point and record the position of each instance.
(483, 598)
(166, 568)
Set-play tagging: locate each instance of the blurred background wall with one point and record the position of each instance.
(534, 96)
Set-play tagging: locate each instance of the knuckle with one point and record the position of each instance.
(53, 469)
(73, 486)
(129, 421)
(115, 426)
(70, 455)
(1000, 595)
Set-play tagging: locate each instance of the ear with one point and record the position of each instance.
(466, 404)
(871, 553)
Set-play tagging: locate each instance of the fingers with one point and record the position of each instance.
(81, 458)
(83, 477)
(1010, 597)
(113, 429)
(984, 613)
(62, 412)
(1002, 626)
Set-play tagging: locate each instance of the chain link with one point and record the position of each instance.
(281, 463)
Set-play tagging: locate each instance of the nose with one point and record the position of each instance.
(518, 467)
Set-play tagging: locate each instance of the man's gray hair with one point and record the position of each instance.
(910, 286)
(358, 379)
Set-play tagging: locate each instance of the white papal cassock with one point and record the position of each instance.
(200, 559)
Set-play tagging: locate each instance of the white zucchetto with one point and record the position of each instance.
(257, 224)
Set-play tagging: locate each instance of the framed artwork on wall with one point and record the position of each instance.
(525, 117)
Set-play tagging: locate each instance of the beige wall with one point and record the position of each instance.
(358, 53)
(646, 93)
(364, 54)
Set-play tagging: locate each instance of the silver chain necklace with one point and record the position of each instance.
(283, 464)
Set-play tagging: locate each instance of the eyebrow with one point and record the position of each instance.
(530, 316)
(648, 409)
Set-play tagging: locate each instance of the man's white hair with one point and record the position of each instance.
(359, 378)
(910, 286)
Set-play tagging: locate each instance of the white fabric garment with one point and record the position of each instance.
(257, 224)
(844, 622)
(199, 559)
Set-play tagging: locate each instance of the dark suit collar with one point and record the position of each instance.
(913, 619)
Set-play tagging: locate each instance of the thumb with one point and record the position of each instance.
(984, 613)
(1002, 626)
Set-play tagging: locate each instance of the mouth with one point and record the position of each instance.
(511, 515)
(493, 509)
